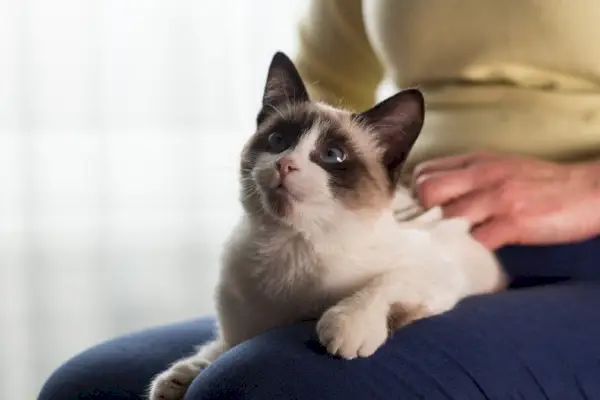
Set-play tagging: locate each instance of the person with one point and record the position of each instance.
(511, 141)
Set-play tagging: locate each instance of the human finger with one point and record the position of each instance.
(439, 188)
(496, 233)
(477, 206)
(448, 163)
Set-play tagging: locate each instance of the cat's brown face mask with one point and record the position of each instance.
(311, 163)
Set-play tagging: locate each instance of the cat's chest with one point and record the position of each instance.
(307, 277)
(280, 268)
(349, 261)
(274, 267)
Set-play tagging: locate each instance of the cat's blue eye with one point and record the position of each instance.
(277, 142)
(333, 155)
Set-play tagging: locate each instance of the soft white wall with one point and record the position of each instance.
(120, 126)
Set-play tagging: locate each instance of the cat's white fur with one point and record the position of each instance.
(350, 271)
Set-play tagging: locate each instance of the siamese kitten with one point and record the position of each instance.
(324, 233)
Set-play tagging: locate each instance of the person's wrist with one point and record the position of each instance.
(594, 176)
(591, 173)
(596, 180)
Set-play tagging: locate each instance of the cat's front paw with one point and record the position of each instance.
(352, 330)
(174, 382)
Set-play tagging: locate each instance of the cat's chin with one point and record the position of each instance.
(279, 203)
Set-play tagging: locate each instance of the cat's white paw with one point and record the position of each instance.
(351, 330)
(174, 382)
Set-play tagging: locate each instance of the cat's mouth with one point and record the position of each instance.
(282, 190)
(279, 195)
(278, 200)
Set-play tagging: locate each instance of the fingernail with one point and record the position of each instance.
(420, 179)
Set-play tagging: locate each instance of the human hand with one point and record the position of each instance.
(514, 199)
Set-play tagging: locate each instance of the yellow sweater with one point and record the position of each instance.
(519, 76)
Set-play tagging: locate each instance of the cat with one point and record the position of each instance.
(326, 234)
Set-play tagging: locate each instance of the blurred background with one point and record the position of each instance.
(121, 122)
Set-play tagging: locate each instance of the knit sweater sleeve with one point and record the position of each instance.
(335, 58)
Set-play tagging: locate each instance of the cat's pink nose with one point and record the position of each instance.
(286, 165)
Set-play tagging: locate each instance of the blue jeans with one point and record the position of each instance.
(540, 340)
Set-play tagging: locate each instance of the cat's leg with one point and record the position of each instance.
(355, 327)
(174, 382)
(358, 325)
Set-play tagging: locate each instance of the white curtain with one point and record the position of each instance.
(120, 127)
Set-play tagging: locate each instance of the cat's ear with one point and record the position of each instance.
(396, 123)
(284, 84)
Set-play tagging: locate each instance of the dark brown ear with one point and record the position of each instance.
(284, 85)
(396, 122)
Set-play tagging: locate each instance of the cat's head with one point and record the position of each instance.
(309, 163)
